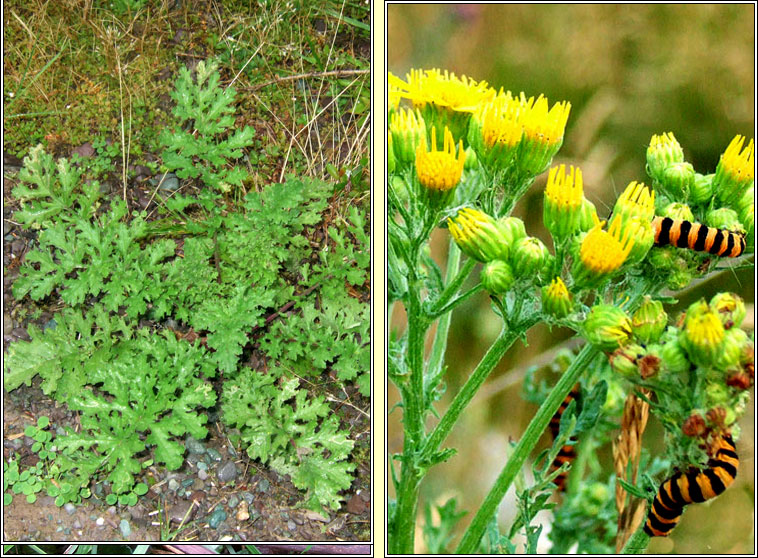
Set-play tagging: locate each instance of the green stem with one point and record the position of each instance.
(469, 389)
(637, 543)
(443, 327)
(484, 515)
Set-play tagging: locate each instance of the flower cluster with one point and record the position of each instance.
(705, 355)
(502, 132)
(503, 246)
(723, 200)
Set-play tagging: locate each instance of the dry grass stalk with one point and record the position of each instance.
(626, 458)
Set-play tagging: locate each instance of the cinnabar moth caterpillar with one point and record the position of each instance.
(695, 236)
(695, 486)
(567, 453)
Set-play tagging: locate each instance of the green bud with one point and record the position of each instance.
(479, 236)
(643, 237)
(649, 321)
(471, 162)
(731, 349)
(730, 309)
(497, 277)
(723, 218)
(679, 278)
(512, 229)
(663, 151)
(716, 394)
(588, 215)
(678, 180)
(607, 327)
(702, 189)
(678, 211)
(674, 358)
(624, 360)
(556, 300)
(529, 256)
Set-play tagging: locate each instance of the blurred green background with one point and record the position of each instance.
(629, 71)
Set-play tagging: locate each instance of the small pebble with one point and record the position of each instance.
(227, 472)
(194, 446)
(214, 455)
(173, 485)
(125, 528)
(263, 486)
(202, 474)
(242, 511)
(216, 518)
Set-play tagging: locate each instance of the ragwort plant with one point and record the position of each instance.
(460, 157)
(153, 310)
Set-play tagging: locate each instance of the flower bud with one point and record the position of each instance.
(702, 336)
(730, 309)
(650, 363)
(716, 395)
(607, 327)
(702, 189)
(735, 171)
(663, 151)
(694, 426)
(497, 277)
(407, 132)
(556, 300)
(479, 236)
(678, 211)
(624, 360)
(723, 218)
(716, 416)
(649, 321)
(588, 217)
(731, 349)
(635, 201)
(739, 379)
(529, 256)
(512, 229)
(543, 135)
(562, 205)
(471, 161)
(642, 236)
(439, 171)
(674, 358)
(678, 180)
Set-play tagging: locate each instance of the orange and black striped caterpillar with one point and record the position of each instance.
(695, 486)
(695, 236)
(567, 453)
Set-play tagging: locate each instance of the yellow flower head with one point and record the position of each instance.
(735, 171)
(601, 253)
(500, 120)
(444, 89)
(635, 201)
(739, 162)
(546, 125)
(556, 300)
(409, 130)
(702, 334)
(562, 190)
(439, 171)
(662, 152)
(562, 206)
